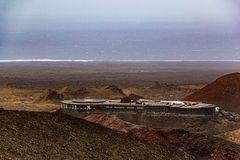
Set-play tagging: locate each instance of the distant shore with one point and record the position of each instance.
(85, 60)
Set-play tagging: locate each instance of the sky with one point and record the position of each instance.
(120, 29)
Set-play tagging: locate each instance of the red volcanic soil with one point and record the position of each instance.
(224, 92)
(206, 146)
(111, 121)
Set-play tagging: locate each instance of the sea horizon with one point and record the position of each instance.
(86, 60)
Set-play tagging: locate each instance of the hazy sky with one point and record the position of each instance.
(120, 29)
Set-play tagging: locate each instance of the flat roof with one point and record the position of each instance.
(89, 100)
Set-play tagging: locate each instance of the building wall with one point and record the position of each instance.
(140, 109)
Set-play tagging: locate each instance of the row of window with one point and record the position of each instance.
(155, 109)
(75, 107)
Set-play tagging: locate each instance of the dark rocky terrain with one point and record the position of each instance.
(202, 145)
(32, 135)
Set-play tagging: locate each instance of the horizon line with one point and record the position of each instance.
(110, 60)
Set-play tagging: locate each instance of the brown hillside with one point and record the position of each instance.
(135, 97)
(233, 136)
(111, 121)
(206, 146)
(39, 135)
(65, 90)
(110, 92)
(225, 92)
(51, 95)
(115, 89)
(203, 145)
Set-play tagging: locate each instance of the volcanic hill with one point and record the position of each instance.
(224, 92)
(39, 135)
(50, 95)
(109, 92)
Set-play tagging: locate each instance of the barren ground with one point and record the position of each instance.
(21, 85)
(31, 135)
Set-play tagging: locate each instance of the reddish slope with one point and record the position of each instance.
(111, 121)
(225, 92)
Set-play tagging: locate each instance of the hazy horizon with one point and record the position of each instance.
(120, 30)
